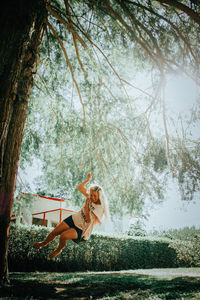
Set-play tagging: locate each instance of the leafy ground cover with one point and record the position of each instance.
(154, 284)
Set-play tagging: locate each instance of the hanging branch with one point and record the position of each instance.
(165, 127)
(64, 22)
(70, 67)
(45, 85)
(81, 29)
(142, 44)
(150, 135)
(106, 166)
(129, 30)
(136, 23)
(125, 138)
(77, 37)
(93, 44)
(100, 163)
(142, 91)
(82, 162)
(139, 42)
(188, 11)
(69, 27)
(74, 37)
(179, 33)
(72, 97)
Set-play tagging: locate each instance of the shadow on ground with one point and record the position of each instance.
(101, 285)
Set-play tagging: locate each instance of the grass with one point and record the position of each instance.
(154, 284)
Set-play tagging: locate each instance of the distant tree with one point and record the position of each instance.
(137, 229)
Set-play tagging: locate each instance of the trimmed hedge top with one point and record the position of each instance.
(101, 252)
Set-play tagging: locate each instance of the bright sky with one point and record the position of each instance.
(181, 93)
(175, 213)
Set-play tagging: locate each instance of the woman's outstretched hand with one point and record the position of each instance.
(89, 176)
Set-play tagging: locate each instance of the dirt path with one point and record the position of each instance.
(155, 284)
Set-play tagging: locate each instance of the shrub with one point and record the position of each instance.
(99, 253)
(188, 251)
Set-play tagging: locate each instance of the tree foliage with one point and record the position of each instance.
(82, 115)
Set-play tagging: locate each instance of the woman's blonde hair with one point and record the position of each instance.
(102, 199)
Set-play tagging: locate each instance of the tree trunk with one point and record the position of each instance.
(21, 28)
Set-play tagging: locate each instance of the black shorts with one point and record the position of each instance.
(69, 221)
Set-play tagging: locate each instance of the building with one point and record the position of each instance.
(44, 211)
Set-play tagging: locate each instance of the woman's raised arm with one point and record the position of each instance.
(81, 186)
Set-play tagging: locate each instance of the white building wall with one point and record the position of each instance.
(43, 205)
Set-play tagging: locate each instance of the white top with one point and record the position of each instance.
(81, 222)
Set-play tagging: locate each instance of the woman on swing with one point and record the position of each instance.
(78, 227)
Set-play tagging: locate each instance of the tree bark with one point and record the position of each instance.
(21, 24)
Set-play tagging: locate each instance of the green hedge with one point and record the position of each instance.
(188, 251)
(100, 253)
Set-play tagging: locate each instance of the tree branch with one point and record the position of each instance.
(74, 37)
(166, 131)
(178, 32)
(70, 67)
(136, 22)
(188, 11)
(129, 30)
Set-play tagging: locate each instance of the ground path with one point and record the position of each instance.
(154, 284)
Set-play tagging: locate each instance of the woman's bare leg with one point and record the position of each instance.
(64, 237)
(51, 236)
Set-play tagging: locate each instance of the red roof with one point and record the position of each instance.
(50, 198)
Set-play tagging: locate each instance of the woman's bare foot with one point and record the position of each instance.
(54, 253)
(39, 244)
